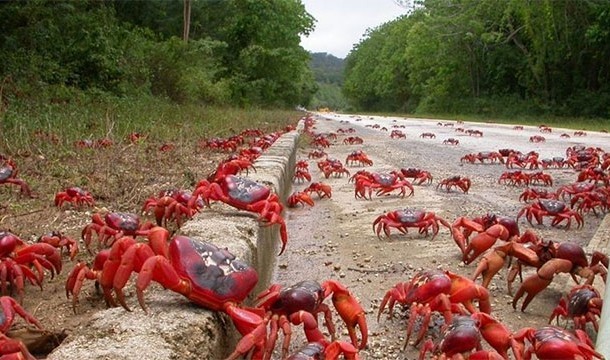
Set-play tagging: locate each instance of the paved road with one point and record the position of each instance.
(334, 239)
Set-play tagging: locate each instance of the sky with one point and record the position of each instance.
(342, 23)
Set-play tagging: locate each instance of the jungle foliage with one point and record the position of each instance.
(328, 72)
(493, 57)
(238, 52)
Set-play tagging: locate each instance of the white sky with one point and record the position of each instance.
(342, 23)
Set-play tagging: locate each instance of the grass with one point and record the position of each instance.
(41, 138)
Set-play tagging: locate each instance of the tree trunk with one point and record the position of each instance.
(186, 17)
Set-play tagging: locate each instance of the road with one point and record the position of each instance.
(334, 239)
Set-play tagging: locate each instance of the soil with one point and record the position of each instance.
(332, 240)
(335, 240)
(120, 178)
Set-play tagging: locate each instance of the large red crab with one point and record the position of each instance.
(583, 304)
(481, 157)
(172, 204)
(515, 178)
(565, 257)
(8, 175)
(535, 194)
(328, 351)
(209, 276)
(74, 195)
(435, 290)
(299, 197)
(460, 182)
(58, 240)
(403, 219)
(551, 342)
(245, 194)
(19, 260)
(556, 209)
(301, 303)
(113, 226)
(383, 183)
(419, 176)
(358, 157)
(12, 349)
(463, 336)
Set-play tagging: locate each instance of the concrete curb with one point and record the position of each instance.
(600, 242)
(174, 328)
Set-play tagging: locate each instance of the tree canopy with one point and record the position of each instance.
(546, 56)
(243, 52)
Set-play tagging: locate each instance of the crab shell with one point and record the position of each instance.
(215, 275)
(242, 191)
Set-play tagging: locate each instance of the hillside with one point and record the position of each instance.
(327, 68)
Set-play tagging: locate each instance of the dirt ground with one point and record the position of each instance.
(121, 178)
(334, 239)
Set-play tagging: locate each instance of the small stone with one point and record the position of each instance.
(283, 266)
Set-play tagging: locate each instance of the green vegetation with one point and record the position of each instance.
(328, 73)
(239, 52)
(488, 58)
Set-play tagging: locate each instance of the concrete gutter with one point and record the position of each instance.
(601, 242)
(174, 328)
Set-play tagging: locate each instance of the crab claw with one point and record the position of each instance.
(349, 309)
(539, 281)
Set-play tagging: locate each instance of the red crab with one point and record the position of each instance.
(535, 194)
(74, 195)
(245, 194)
(210, 277)
(460, 182)
(397, 134)
(60, 241)
(408, 218)
(515, 178)
(332, 167)
(594, 175)
(321, 189)
(537, 139)
(472, 132)
(172, 204)
(301, 175)
(565, 257)
(136, 137)
(556, 209)
(451, 141)
(18, 261)
(302, 302)
(582, 305)
(463, 336)
(351, 140)
(580, 133)
(316, 154)
(358, 157)
(575, 188)
(540, 178)
(435, 290)
(8, 175)
(427, 135)
(551, 342)
(324, 350)
(518, 127)
(10, 348)
(382, 183)
(481, 157)
(419, 176)
(113, 226)
(529, 160)
(299, 197)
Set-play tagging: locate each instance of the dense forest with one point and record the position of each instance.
(328, 73)
(220, 52)
(494, 57)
